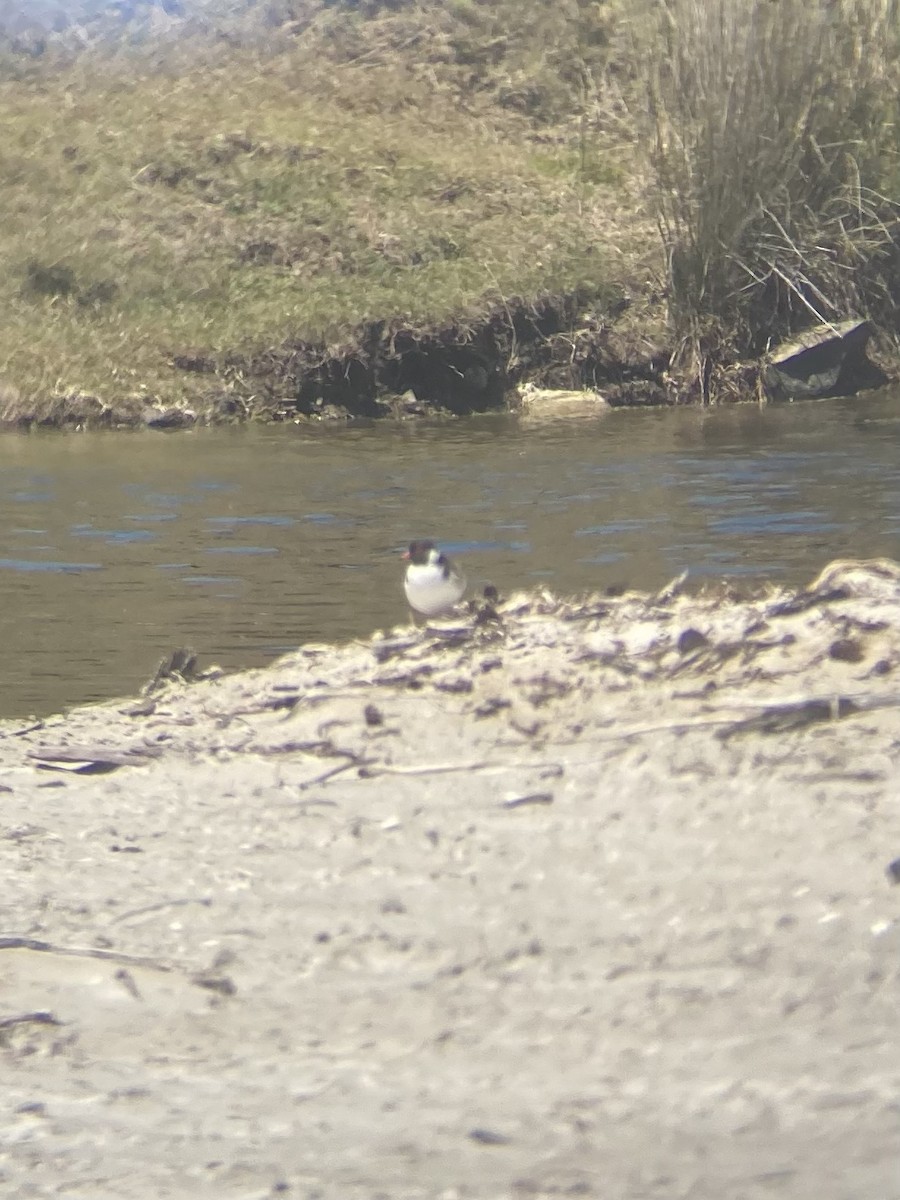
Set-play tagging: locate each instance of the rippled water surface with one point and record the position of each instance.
(117, 548)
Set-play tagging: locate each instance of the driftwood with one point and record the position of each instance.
(532, 798)
(84, 760)
(134, 960)
(210, 978)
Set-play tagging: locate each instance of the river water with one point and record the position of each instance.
(117, 548)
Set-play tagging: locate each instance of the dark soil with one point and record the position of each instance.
(404, 371)
(395, 369)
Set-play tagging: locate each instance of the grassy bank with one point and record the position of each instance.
(178, 212)
(307, 207)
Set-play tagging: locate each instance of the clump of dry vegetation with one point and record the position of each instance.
(775, 155)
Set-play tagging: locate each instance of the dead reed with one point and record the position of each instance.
(774, 151)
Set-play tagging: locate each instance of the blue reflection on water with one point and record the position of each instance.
(113, 536)
(241, 550)
(227, 522)
(60, 568)
(482, 546)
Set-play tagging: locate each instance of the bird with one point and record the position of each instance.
(433, 584)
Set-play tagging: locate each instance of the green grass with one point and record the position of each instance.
(218, 200)
(289, 171)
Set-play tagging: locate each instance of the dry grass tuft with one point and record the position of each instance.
(774, 148)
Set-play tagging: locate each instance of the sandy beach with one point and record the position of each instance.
(572, 898)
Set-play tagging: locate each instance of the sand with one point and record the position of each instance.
(589, 900)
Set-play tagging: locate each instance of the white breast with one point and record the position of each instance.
(429, 591)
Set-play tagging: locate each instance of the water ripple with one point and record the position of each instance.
(59, 568)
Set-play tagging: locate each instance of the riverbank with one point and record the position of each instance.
(193, 237)
(566, 897)
(227, 211)
(493, 363)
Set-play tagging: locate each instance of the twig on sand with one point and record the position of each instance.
(92, 760)
(532, 798)
(137, 960)
(36, 725)
(671, 589)
(39, 1017)
(369, 772)
(798, 714)
(789, 718)
(768, 717)
(332, 771)
(206, 901)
